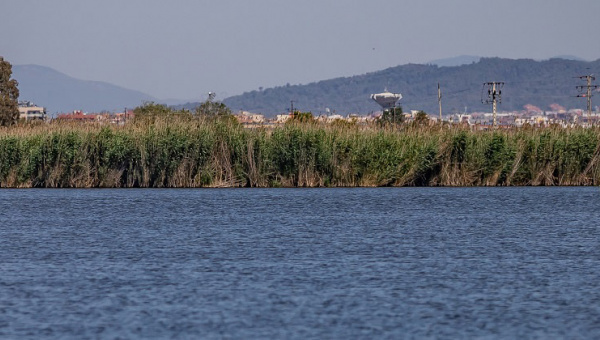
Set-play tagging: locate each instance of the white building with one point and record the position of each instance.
(250, 118)
(29, 111)
(282, 118)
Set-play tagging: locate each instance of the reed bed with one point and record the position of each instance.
(177, 153)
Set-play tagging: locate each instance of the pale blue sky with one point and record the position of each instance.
(185, 48)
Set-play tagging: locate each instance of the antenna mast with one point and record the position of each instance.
(440, 101)
(588, 94)
(494, 96)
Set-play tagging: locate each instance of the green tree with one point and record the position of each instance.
(9, 95)
(212, 109)
(302, 117)
(421, 118)
(393, 116)
(151, 110)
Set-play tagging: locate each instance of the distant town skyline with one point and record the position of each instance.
(184, 49)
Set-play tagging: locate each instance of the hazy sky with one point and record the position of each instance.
(185, 48)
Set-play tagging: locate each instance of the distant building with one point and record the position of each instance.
(78, 116)
(282, 118)
(246, 117)
(29, 111)
(329, 118)
(120, 118)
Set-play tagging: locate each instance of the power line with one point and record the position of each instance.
(588, 93)
(440, 101)
(494, 96)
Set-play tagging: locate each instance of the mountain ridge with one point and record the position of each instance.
(60, 93)
(538, 83)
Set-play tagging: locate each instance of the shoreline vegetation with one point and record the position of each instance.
(183, 151)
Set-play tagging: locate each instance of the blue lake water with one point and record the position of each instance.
(300, 263)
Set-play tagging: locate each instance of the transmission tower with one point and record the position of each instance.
(494, 96)
(440, 101)
(585, 91)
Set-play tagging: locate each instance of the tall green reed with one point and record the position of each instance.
(196, 152)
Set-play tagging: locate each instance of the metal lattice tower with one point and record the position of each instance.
(494, 96)
(588, 93)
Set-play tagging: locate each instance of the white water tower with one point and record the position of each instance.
(386, 99)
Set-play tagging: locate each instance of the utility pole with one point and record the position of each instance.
(494, 96)
(292, 107)
(588, 93)
(440, 101)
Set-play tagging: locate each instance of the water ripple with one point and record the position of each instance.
(293, 263)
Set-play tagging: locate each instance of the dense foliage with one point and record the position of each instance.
(390, 117)
(9, 95)
(212, 109)
(177, 151)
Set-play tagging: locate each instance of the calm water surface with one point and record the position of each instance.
(300, 263)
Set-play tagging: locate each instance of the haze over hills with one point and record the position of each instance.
(60, 93)
(539, 83)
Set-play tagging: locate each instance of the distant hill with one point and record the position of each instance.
(60, 93)
(538, 83)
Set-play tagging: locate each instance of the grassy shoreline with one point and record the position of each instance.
(190, 153)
